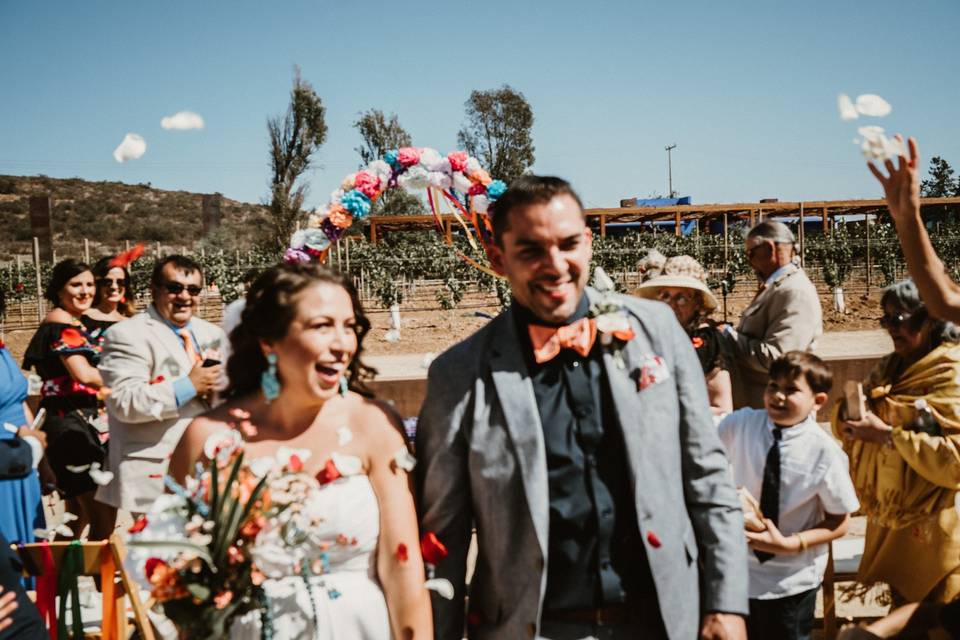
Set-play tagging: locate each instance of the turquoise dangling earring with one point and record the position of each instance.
(344, 387)
(269, 382)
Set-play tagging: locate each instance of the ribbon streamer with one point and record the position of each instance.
(47, 591)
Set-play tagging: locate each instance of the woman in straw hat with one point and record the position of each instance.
(681, 283)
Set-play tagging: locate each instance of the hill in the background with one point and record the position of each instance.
(109, 213)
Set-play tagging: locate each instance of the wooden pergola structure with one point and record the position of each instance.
(749, 212)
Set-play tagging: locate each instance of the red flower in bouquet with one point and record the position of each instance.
(432, 549)
(329, 473)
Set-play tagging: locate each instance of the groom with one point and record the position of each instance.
(582, 451)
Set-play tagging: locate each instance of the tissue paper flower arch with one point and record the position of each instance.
(457, 178)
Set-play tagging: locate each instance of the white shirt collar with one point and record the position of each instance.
(776, 274)
(787, 433)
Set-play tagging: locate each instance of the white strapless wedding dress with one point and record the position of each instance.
(346, 601)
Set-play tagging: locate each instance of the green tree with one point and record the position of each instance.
(380, 134)
(941, 183)
(293, 139)
(497, 132)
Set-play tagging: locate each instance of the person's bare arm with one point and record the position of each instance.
(720, 392)
(81, 370)
(833, 526)
(399, 563)
(902, 191)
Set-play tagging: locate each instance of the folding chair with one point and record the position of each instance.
(104, 559)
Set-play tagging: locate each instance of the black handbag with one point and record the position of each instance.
(16, 459)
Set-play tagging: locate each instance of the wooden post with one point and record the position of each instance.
(603, 225)
(86, 251)
(826, 221)
(676, 224)
(373, 232)
(158, 249)
(801, 234)
(448, 232)
(36, 265)
(866, 222)
(726, 240)
(346, 251)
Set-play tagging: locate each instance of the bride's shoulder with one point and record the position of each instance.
(375, 418)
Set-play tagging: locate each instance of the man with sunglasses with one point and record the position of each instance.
(163, 366)
(785, 314)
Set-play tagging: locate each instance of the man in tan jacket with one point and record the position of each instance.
(785, 315)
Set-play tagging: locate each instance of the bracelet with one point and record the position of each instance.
(802, 541)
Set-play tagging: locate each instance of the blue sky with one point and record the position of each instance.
(747, 90)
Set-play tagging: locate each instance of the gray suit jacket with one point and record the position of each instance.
(145, 421)
(482, 461)
(785, 316)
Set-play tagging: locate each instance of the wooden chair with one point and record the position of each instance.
(95, 554)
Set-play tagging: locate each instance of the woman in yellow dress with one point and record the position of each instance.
(905, 454)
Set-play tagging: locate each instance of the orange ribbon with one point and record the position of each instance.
(548, 341)
(108, 572)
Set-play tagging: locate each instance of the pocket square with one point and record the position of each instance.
(653, 370)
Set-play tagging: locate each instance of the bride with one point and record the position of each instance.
(296, 355)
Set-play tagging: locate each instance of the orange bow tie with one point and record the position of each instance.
(548, 341)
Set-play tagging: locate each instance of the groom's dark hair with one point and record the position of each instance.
(523, 192)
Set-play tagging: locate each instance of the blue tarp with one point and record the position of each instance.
(663, 202)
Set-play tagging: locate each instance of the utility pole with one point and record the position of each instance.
(668, 149)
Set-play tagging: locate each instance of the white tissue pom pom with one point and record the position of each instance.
(870, 104)
(429, 158)
(344, 435)
(336, 196)
(847, 110)
(461, 182)
(415, 177)
(439, 180)
(472, 165)
(347, 465)
(481, 203)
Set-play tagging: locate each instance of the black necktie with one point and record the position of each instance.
(770, 491)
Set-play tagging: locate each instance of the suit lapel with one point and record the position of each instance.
(515, 392)
(168, 339)
(622, 377)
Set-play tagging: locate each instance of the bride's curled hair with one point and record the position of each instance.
(270, 309)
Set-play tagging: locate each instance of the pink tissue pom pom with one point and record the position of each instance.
(458, 160)
(408, 156)
(367, 184)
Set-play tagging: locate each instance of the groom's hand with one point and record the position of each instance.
(723, 626)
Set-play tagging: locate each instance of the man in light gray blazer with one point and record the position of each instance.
(785, 315)
(154, 363)
(574, 433)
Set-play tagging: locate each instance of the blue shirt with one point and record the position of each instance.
(183, 389)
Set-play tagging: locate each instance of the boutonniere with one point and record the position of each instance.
(610, 317)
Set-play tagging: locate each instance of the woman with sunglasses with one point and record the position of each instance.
(65, 355)
(681, 283)
(113, 300)
(905, 454)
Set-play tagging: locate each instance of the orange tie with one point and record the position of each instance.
(189, 346)
(548, 341)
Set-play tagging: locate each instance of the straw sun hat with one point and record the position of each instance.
(679, 271)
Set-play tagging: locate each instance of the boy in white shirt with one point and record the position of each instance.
(801, 476)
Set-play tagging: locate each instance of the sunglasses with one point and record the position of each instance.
(176, 288)
(894, 321)
(109, 282)
(681, 299)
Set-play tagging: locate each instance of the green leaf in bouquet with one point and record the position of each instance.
(219, 537)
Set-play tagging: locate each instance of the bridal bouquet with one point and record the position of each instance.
(204, 548)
